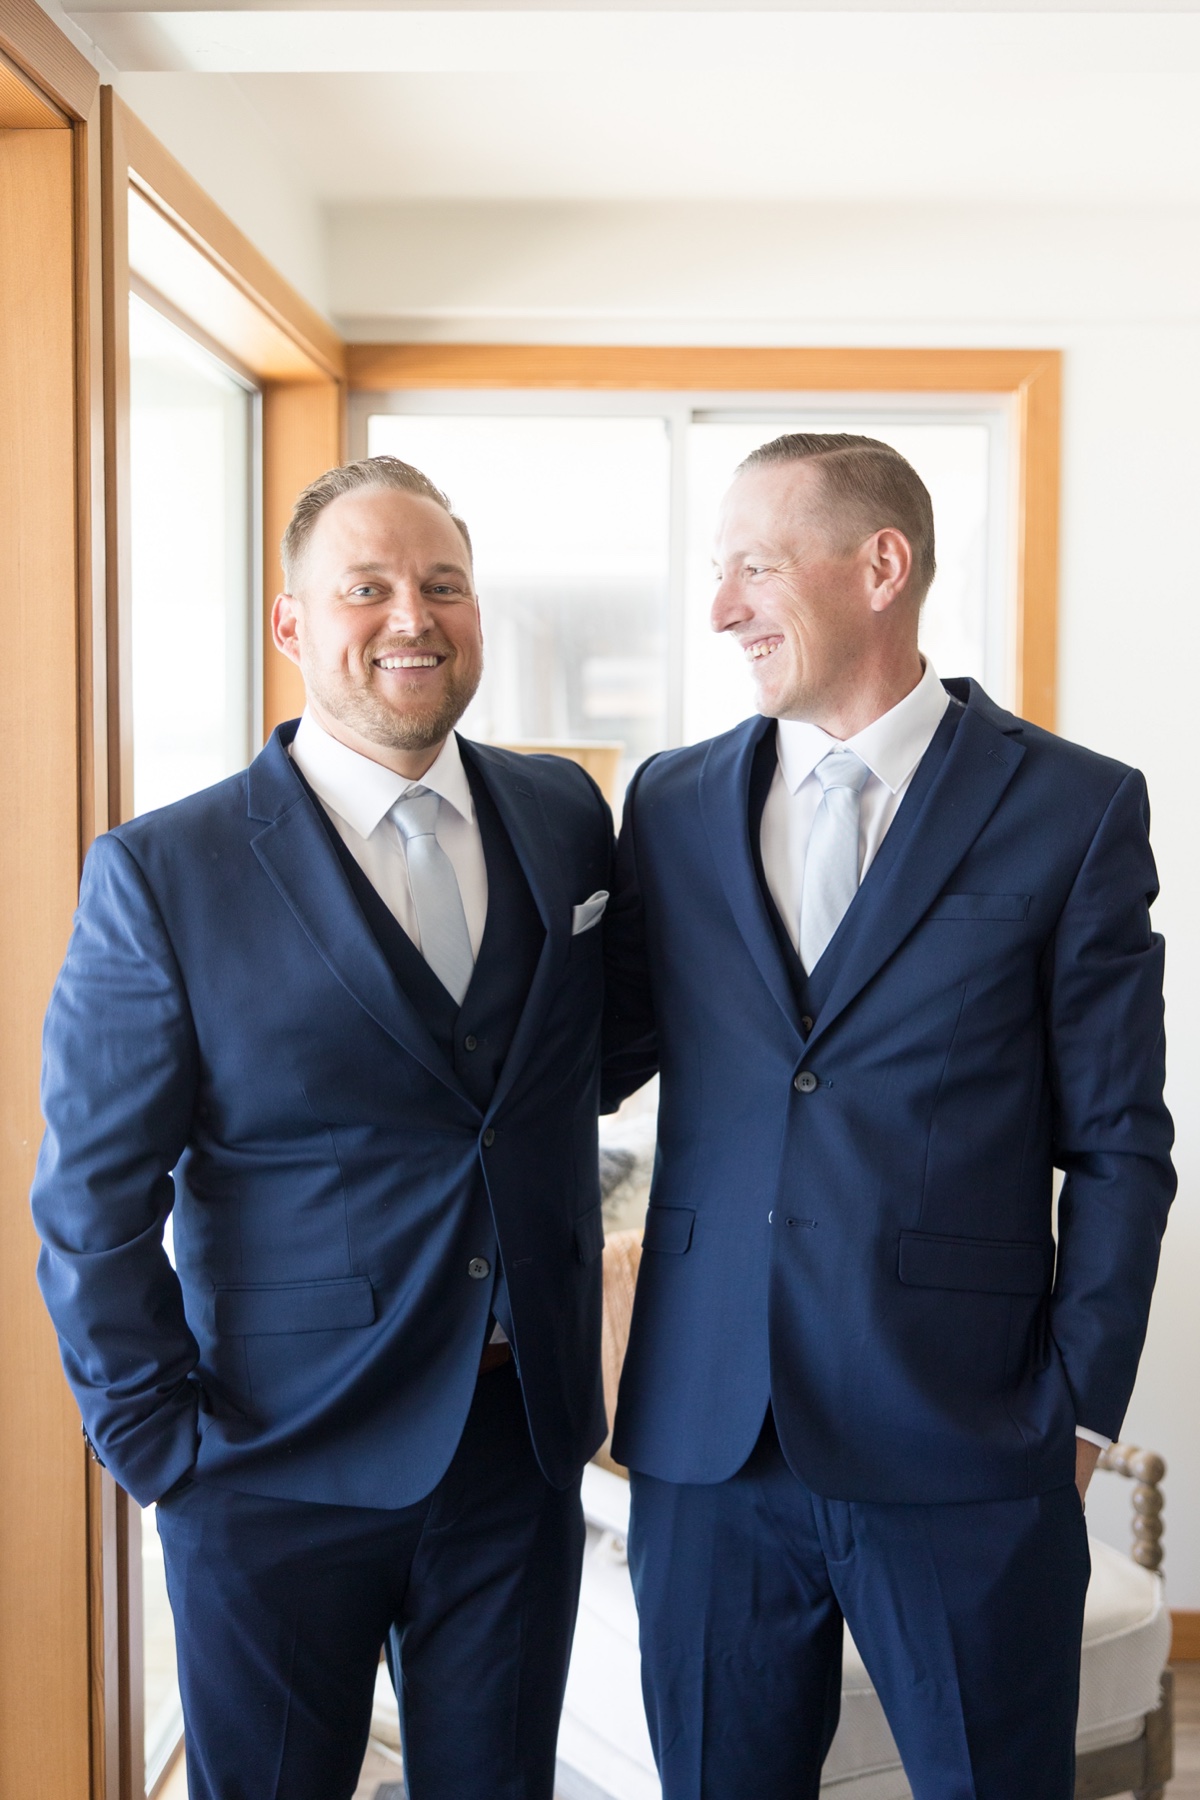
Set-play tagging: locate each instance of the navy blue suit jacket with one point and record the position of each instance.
(228, 1040)
(852, 1215)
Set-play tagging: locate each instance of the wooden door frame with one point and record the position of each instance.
(56, 1736)
(1030, 381)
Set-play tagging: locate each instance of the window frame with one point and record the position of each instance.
(1029, 382)
(680, 409)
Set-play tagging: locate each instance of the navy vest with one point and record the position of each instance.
(474, 1037)
(810, 991)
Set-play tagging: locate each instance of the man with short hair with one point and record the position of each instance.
(339, 1017)
(889, 948)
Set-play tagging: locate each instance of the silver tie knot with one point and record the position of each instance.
(842, 769)
(415, 814)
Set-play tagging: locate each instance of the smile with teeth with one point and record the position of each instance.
(424, 660)
(762, 647)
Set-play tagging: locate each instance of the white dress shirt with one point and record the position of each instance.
(358, 794)
(892, 747)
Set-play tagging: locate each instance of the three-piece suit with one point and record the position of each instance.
(363, 1177)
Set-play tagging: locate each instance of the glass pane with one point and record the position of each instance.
(191, 486)
(570, 522)
(959, 630)
(163, 1710)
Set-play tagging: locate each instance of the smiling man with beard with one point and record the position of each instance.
(339, 1015)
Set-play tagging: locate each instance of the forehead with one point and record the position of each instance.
(772, 503)
(385, 526)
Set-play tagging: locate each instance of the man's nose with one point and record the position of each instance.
(409, 613)
(729, 606)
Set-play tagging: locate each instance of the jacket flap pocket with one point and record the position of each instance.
(980, 906)
(295, 1306)
(973, 1265)
(669, 1228)
(589, 1234)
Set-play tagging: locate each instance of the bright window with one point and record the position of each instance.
(192, 486)
(593, 516)
(570, 519)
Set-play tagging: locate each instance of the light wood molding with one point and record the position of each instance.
(1185, 1637)
(620, 367)
(172, 266)
(167, 185)
(185, 249)
(118, 553)
(31, 39)
(22, 106)
(45, 1741)
(1029, 379)
(303, 435)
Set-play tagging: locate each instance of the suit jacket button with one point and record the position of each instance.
(470, 1042)
(479, 1268)
(489, 1138)
(806, 1024)
(805, 1082)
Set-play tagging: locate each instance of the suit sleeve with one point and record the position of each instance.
(630, 1034)
(1113, 1132)
(119, 1082)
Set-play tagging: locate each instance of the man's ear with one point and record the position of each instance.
(284, 623)
(890, 567)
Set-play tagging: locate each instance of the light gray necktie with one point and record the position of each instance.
(831, 866)
(441, 921)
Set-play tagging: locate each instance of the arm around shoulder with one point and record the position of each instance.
(630, 1033)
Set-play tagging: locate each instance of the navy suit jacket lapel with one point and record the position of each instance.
(922, 850)
(725, 808)
(532, 837)
(297, 856)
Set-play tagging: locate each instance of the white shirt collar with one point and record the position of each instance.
(891, 746)
(362, 791)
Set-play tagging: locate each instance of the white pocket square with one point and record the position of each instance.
(588, 912)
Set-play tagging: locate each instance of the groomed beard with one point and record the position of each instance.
(420, 728)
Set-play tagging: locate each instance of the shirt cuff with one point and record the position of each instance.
(1092, 1437)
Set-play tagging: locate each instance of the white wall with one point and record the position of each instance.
(1119, 293)
(209, 125)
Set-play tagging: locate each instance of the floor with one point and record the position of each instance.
(1186, 1786)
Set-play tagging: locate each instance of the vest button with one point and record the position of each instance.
(470, 1043)
(479, 1268)
(805, 1082)
(806, 1024)
(489, 1136)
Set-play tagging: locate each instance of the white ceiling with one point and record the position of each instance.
(377, 104)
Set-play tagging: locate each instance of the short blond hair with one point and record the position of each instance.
(352, 478)
(867, 486)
